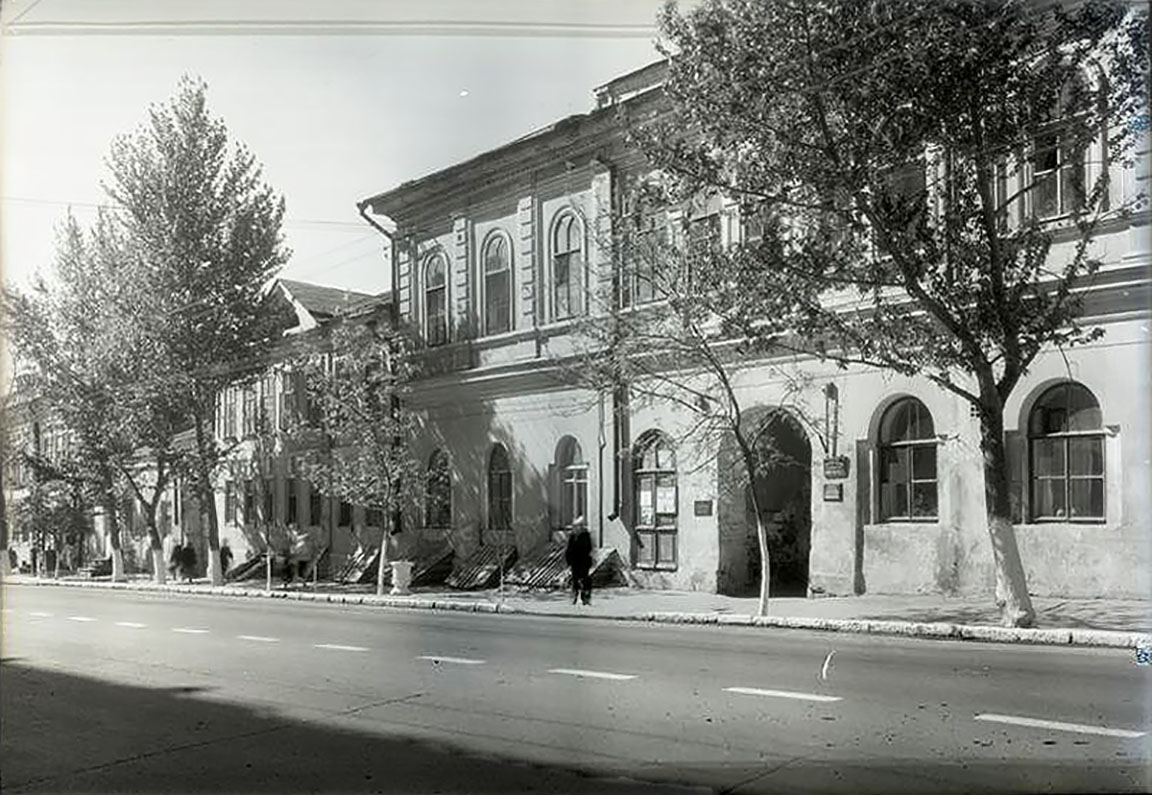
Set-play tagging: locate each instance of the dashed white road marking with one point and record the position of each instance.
(41, 614)
(1060, 726)
(591, 674)
(131, 624)
(190, 630)
(80, 618)
(756, 691)
(453, 660)
(259, 638)
(339, 647)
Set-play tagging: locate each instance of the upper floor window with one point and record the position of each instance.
(645, 251)
(1057, 160)
(497, 285)
(230, 413)
(1066, 437)
(655, 498)
(436, 300)
(567, 267)
(907, 462)
(288, 400)
(499, 489)
(249, 410)
(438, 492)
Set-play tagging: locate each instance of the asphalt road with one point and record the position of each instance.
(117, 691)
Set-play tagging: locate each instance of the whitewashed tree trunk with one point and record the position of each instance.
(159, 570)
(118, 574)
(215, 572)
(5, 563)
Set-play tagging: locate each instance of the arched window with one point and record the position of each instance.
(436, 300)
(656, 501)
(907, 462)
(1066, 436)
(573, 484)
(438, 492)
(497, 285)
(567, 267)
(499, 489)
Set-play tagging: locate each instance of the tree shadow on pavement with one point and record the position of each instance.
(1117, 615)
(65, 733)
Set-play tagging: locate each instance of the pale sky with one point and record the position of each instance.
(339, 99)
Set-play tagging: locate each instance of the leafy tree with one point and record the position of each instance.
(894, 154)
(205, 233)
(68, 330)
(655, 337)
(357, 427)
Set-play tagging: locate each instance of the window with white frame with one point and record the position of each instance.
(573, 485)
(567, 254)
(1057, 168)
(907, 477)
(1066, 437)
(436, 300)
(497, 258)
(656, 502)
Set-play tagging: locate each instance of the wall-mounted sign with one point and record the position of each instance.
(702, 507)
(836, 467)
(833, 492)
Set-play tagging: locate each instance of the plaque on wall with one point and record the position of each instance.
(836, 468)
(833, 492)
(702, 507)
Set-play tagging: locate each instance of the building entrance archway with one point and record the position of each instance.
(783, 484)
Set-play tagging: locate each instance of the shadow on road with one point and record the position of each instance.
(65, 733)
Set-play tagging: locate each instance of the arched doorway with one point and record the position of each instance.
(783, 484)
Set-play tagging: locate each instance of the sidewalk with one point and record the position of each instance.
(1094, 622)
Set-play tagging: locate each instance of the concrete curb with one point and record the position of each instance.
(910, 629)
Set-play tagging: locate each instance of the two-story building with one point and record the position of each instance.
(493, 261)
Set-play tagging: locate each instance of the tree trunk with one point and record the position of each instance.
(749, 456)
(159, 567)
(5, 559)
(156, 546)
(384, 561)
(113, 528)
(1011, 584)
(207, 496)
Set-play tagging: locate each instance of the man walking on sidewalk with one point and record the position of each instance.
(578, 555)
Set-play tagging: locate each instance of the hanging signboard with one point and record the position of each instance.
(836, 467)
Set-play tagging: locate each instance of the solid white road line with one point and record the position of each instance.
(453, 660)
(339, 647)
(259, 638)
(132, 624)
(755, 691)
(1059, 726)
(590, 674)
(80, 618)
(40, 614)
(190, 630)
